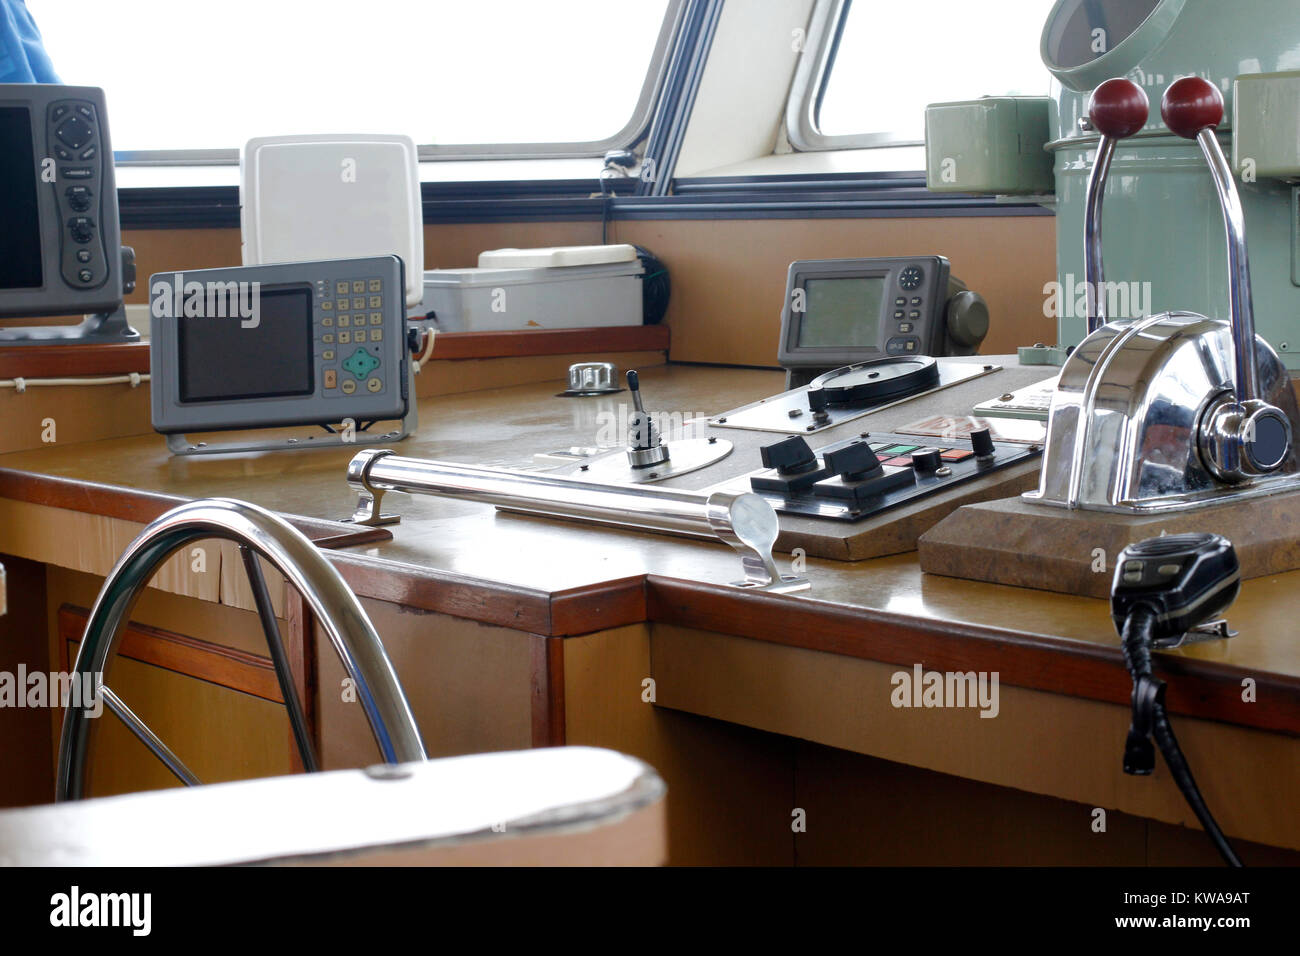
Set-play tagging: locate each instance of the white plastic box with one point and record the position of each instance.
(554, 297)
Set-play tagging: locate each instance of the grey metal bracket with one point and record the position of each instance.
(98, 329)
(180, 445)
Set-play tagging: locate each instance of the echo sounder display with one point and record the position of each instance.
(262, 349)
(841, 313)
(20, 232)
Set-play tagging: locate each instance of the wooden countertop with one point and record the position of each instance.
(551, 578)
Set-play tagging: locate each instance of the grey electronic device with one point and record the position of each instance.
(840, 312)
(304, 343)
(60, 242)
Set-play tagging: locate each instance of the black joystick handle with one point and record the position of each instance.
(853, 462)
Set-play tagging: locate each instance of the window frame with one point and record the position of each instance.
(803, 108)
(632, 132)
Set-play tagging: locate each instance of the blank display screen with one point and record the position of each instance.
(20, 229)
(842, 313)
(221, 360)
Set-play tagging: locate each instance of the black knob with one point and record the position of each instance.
(80, 229)
(926, 461)
(789, 456)
(981, 443)
(853, 462)
(78, 198)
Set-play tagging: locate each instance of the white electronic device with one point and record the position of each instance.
(336, 196)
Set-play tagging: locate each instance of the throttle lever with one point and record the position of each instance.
(1117, 109)
(1248, 436)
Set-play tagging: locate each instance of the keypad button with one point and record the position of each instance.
(376, 335)
(376, 318)
(328, 321)
(345, 321)
(349, 386)
(374, 384)
(328, 355)
(345, 338)
(905, 326)
(359, 285)
(328, 338)
(956, 454)
(83, 255)
(376, 301)
(359, 335)
(899, 314)
(75, 133)
(331, 378)
(341, 288)
(916, 300)
(375, 285)
(359, 303)
(327, 305)
(914, 314)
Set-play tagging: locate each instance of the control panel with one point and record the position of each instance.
(294, 343)
(857, 478)
(73, 134)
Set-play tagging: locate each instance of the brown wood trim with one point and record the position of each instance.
(547, 688)
(298, 635)
(214, 663)
(1198, 688)
(623, 338)
(130, 504)
(445, 592)
(568, 613)
(60, 361)
(598, 607)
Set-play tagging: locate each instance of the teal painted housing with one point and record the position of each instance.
(1162, 226)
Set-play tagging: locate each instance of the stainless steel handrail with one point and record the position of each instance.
(331, 601)
(744, 521)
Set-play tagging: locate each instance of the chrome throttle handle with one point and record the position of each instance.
(1117, 109)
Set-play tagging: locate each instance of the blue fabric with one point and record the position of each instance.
(22, 54)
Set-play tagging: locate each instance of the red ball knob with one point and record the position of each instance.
(1191, 105)
(1118, 108)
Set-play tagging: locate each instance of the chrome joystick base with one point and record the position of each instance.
(647, 457)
